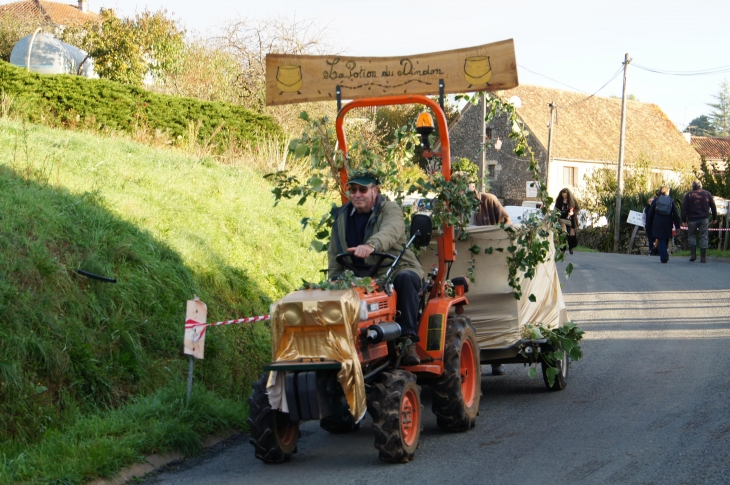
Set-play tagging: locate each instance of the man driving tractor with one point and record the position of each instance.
(368, 223)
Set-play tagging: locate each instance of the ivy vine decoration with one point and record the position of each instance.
(562, 340)
(455, 203)
(529, 242)
(345, 281)
(318, 142)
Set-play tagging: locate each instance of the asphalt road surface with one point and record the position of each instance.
(648, 404)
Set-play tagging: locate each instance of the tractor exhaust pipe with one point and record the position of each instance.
(382, 332)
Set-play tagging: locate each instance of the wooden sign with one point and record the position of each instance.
(300, 79)
(195, 317)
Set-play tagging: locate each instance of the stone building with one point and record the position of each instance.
(585, 137)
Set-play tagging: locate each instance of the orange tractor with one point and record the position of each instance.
(335, 353)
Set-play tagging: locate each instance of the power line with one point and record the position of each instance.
(554, 80)
(702, 72)
(599, 90)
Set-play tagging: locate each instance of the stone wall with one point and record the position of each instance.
(511, 172)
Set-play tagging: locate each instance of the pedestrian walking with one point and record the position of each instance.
(568, 207)
(662, 214)
(649, 239)
(696, 209)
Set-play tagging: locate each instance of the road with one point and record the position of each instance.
(649, 403)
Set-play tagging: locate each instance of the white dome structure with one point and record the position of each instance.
(44, 54)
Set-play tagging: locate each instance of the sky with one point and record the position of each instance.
(571, 45)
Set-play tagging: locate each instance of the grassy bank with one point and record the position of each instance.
(167, 227)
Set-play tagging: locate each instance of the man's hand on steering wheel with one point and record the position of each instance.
(362, 251)
(383, 260)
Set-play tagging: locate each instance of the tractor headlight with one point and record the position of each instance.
(331, 313)
(292, 315)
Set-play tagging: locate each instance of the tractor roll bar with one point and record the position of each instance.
(446, 244)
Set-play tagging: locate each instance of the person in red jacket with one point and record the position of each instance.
(696, 209)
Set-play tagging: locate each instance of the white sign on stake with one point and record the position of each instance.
(636, 218)
(195, 318)
(531, 189)
(721, 205)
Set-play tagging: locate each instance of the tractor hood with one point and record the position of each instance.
(314, 324)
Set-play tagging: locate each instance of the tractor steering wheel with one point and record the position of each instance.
(384, 260)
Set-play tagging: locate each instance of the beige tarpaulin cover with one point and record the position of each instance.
(495, 313)
(321, 324)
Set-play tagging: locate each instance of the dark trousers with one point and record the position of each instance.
(406, 284)
(663, 254)
(650, 240)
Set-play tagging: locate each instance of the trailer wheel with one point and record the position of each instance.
(561, 380)
(456, 394)
(273, 435)
(341, 420)
(395, 405)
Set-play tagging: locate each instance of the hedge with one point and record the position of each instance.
(106, 105)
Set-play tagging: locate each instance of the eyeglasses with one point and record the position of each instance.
(363, 189)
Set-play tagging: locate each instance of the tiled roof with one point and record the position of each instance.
(47, 12)
(712, 148)
(588, 128)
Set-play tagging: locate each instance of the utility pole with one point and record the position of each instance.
(621, 146)
(550, 144)
(483, 166)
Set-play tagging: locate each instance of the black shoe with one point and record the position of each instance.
(410, 356)
(571, 250)
(693, 250)
(497, 369)
(703, 253)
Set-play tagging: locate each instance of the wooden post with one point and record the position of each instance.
(550, 145)
(483, 167)
(622, 143)
(190, 379)
(633, 236)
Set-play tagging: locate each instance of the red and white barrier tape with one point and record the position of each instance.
(193, 323)
(684, 228)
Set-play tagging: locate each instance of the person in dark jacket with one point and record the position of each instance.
(649, 239)
(568, 207)
(369, 223)
(661, 224)
(696, 209)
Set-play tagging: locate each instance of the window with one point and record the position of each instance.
(491, 171)
(569, 176)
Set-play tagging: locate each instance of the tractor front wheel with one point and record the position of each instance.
(456, 394)
(395, 405)
(273, 435)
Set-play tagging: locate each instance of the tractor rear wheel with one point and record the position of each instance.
(341, 420)
(456, 394)
(273, 435)
(395, 405)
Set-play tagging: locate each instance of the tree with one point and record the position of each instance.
(701, 126)
(129, 50)
(12, 30)
(720, 116)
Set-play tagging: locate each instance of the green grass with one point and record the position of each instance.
(100, 444)
(715, 253)
(167, 227)
(584, 249)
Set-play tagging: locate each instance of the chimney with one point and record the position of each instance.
(688, 137)
(84, 6)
